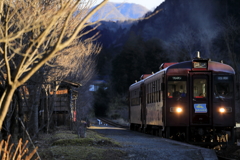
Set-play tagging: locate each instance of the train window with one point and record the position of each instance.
(177, 86)
(151, 97)
(200, 88)
(223, 86)
(150, 93)
(153, 89)
(153, 92)
(147, 97)
(135, 99)
(159, 96)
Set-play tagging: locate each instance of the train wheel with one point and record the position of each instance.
(232, 136)
(144, 129)
(134, 127)
(139, 129)
(131, 127)
(167, 132)
(151, 131)
(159, 133)
(187, 134)
(156, 132)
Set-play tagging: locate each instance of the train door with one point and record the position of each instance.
(200, 98)
(143, 105)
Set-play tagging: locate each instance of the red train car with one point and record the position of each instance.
(192, 100)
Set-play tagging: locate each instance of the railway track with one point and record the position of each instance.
(111, 123)
(224, 158)
(115, 124)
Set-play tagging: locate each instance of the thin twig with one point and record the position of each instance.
(35, 148)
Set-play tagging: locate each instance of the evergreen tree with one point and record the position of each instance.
(101, 101)
(137, 57)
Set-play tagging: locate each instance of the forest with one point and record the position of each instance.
(173, 32)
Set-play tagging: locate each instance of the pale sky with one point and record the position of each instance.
(149, 4)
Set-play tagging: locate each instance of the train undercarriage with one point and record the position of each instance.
(204, 136)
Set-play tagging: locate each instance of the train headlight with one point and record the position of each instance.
(179, 110)
(222, 110)
(176, 109)
(225, 109)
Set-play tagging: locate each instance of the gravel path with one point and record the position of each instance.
(139, 146)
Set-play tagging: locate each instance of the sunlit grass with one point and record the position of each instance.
(66, 145)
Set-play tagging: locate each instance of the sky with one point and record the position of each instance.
(149, 4)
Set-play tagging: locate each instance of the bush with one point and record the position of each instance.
(115, 116)
(101, 101)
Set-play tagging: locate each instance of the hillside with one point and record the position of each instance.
(180, 21)
(175, 32)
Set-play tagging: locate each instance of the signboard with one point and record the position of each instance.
(223, 78)
(200, 108)
(177, 78)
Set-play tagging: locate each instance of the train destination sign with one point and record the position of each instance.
(200, 108)
(177, 78)
(200, 64)
(223, 78)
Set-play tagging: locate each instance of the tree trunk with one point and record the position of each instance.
(14, 121)
(35, 106)
(5, 102)
(47, 114)
(20, 113)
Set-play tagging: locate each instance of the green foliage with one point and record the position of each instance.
(101, 101)
(75, 142)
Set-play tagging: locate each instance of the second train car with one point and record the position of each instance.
(192, 101)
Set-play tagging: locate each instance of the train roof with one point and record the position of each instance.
(136, 84)
(211, 66)
(197, 64)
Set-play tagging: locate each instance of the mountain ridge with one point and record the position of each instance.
(119, 12)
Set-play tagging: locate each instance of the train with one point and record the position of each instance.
(192, 101)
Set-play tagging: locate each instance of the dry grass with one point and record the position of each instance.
(64, 144)
(20, 152)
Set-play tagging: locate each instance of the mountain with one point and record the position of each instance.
(178, 21)
(119, 12)
(182, 27)
(175, 15)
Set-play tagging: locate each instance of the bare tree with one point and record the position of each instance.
(75, 63)
(187, 41)
(32, 33)
(83, 70)
(231, 33)
(182, 44)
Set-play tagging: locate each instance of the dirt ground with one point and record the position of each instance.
(230, 151)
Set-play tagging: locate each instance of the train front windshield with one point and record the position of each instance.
(177, 86)
(223, 87)
(200, 88)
